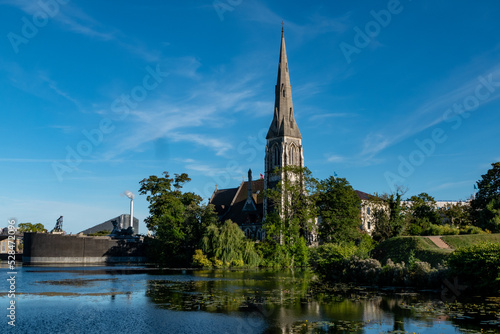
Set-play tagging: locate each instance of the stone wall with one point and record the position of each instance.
(44, 248)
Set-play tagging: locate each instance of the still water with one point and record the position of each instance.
(124, 299)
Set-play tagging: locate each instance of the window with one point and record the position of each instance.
(368, 210)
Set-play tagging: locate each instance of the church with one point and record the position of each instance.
(245, 205)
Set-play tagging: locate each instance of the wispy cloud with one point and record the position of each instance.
(432, 112)
(321, 117)
(452, 185)
(74, 19)
(54, 87)
(316, 25)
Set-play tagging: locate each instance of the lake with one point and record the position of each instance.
(132, 299)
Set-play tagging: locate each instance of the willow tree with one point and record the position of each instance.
(227, 245)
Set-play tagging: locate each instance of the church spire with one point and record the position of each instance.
(283, 123)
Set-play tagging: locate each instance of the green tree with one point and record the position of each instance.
(293, 200)
(339, 208)
(422, 213)
(389, 222)
(228, 245)
(459, 214)
(177, 219)
(29, 227)
(488, 192)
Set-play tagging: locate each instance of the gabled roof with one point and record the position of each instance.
(229, 203)
(363, 196)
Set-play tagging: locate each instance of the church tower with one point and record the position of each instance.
(284, 141)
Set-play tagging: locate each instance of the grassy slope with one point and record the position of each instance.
(399, 249)
(457, 241)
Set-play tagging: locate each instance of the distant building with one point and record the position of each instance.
(4, 241)
(122, 220)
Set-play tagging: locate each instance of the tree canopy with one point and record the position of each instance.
(339, 208)
(29, 227)
(177, 219)
(486, 201)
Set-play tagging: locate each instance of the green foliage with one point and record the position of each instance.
(228, 246)
(99, 233)
(400, 249)
(365, 246)
(445, 229)
(478, 265)
(488, 190)
(423, 213)
(300, 253)
(339, 263)
(490, 215)
(330, 259)
(388, 223)
(339, 208)
(177, 218)
(293, 201)
(29, 227)
(200, 259)
(459, 214)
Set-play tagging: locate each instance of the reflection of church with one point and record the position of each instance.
(244, 205)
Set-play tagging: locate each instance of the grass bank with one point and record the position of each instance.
(458, 241)
(407, 249)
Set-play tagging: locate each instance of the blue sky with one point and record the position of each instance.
(97, 96)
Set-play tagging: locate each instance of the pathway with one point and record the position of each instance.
(439, 242)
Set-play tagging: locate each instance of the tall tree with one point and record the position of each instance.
(177, 218)
(488, 194)
(422, 213)
(459, 214)
(339, 208)
(389, 218)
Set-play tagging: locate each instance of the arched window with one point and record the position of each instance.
(276, 155)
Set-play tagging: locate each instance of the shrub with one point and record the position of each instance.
(237, 263)
(330, 259)
(364, 271)
(394, 274)
(420, 274)
(217, 263)
(479, 265)
(469, 229)
(200, 259)
(445, 229)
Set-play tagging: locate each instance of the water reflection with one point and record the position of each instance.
(138, 299)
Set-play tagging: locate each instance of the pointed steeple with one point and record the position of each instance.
(283, 123)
